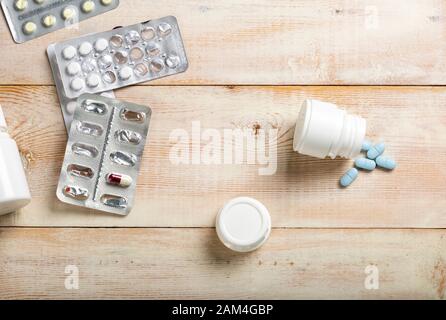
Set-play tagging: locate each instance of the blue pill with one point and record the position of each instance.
(376, 151)
(349, 177)
(366, 145)
(385, 162)
(366, 164)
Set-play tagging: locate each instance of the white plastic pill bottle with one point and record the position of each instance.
(14, 191)
(324, 130)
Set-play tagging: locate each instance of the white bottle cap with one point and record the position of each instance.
(243, 224)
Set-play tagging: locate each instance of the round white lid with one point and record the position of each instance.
(243, 224)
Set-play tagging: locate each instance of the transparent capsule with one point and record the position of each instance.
(77, 193)
(132, 37)
(136, 54)
(109, 77)
(121, 57)
(94, 106)
(80, 171)
(116, 41)
(90, 129)
(156, 65)
(164, 29)
(153, 49)
(148, 33)
(83, 149)
(128, 136)
(130, 115)
(117, 179)
(105, 62)
(114, 201)
(172, 61)
(123, 158)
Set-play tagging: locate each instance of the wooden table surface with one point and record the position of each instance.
(252, 63)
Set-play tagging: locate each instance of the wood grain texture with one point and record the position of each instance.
(304, 192)
(279, 42)
(192, 263)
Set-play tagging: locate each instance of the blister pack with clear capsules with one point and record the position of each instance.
(29, 19)
(103, 154)
(120, 57)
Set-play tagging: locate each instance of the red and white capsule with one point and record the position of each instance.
(118, 179)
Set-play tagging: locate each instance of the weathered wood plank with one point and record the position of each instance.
(280, 42)
(304, 192)
(192, 263)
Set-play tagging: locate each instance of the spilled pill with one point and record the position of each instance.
(385, 162)
(349, 177)
(366, 145)
(366, 164)
(376, 151)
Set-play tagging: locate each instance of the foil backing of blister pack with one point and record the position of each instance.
(67, 105)
(29, 19)
(103, 154)
(120, 57)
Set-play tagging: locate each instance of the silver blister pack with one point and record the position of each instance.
(29, 19)
(67, 105)
(120, 57)
(103, 154)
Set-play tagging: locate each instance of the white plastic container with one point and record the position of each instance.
(243, 224)
(14, 191)
(324, 130)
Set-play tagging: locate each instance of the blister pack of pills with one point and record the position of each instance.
(103, 154)
(29, 19)
(67, 105)
(120, 57)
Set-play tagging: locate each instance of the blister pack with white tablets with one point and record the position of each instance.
(67, 105)
(120, 57)
(103, 154)
(29, 19)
